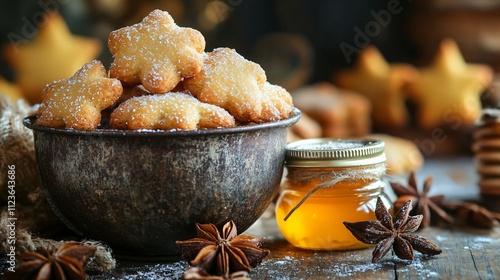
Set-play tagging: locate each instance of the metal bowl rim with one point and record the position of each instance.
(29, 122)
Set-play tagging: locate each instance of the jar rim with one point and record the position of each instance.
(334, 152)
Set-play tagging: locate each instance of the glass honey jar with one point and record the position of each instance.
(330, 181)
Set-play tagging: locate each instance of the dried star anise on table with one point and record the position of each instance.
(473, 214)
(222, 255)
(430, 207)
(389, 232)
(196, 273)
(67, 262)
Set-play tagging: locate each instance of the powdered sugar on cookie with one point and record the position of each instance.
(77, 102)
(170, 84)
(230, 81)
(155, 52)
(174, 110)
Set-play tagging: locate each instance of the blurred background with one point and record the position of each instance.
(297, 42)
(311, 30)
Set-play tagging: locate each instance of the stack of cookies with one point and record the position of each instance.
(180, 86)
(486, 148)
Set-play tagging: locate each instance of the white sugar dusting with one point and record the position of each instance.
(421, 270)
(481, 242)
(238, 85)
(483, 239)
(295, 269)
(164, 52)
(331, 145)
(74, 100)
(152, 272)
(347, 270)
(173, 110)
(440, 238)
(353, 266)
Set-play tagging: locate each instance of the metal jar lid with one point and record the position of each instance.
(330, 152)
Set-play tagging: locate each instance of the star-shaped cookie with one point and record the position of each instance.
(172, 110)
(240, 86)
(448, 92)
(383, 83)
(53, 54)
(77, 102)
(156, 52)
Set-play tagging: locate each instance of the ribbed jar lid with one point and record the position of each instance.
(331, 152)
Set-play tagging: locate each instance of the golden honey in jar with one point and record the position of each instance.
(330, 181)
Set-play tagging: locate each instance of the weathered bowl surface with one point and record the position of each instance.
(140, 191)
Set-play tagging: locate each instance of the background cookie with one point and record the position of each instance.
(486, 148)
(54, 53)
(382, 83)
(450, 88)
(341, 113)
(403, 156)
(488, 156)
(306, 127)
(490, 186)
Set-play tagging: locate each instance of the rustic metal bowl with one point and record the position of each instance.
(140, 191)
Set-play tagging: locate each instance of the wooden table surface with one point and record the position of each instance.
(468, 253)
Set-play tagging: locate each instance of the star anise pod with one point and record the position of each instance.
(430, 207)
(389, 232)
(67, 262)
(222, 255)
(473, 214)
(196, 273)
